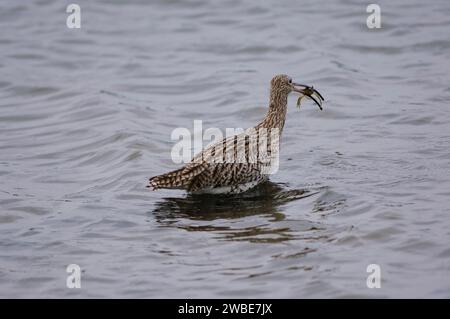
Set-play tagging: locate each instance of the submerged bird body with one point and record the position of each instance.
(240, 162)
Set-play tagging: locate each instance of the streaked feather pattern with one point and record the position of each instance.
(236, 163)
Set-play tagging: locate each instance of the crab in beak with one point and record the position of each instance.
(308, 91)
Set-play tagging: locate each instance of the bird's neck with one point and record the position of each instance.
(276, 115)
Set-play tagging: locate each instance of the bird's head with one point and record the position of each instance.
(281, 85)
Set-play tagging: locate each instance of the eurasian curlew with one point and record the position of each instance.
(240, 162)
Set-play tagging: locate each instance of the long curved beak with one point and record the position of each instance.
(310, 92)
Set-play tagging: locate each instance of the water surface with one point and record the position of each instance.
(86, 117)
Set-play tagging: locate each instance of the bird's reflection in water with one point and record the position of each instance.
(253, 216)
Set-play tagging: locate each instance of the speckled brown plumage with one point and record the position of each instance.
(211, 170)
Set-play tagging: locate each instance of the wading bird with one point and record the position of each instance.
(240, 162)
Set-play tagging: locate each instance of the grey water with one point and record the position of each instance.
(86, 117)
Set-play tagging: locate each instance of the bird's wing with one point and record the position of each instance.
(180, 178)
(234, 160)
(248, 147)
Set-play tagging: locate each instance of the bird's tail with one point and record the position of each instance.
(178, 179)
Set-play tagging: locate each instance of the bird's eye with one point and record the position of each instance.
(290, 81)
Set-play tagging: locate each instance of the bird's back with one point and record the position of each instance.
(229, 166)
